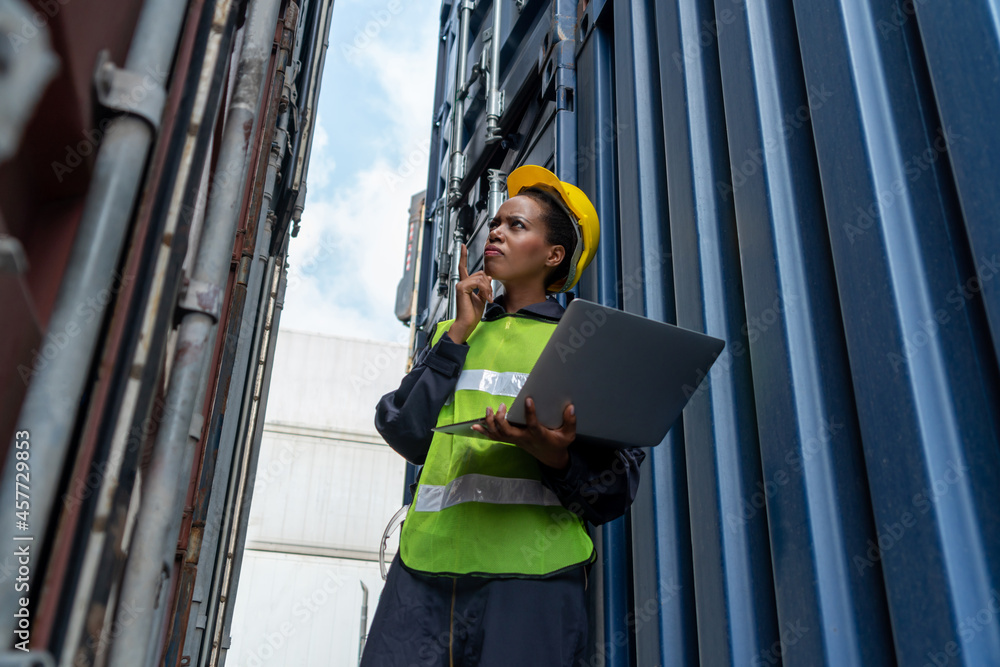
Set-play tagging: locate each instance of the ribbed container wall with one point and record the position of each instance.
(815, 183)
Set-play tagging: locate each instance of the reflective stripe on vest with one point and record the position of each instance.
(480, 506)
(484, 489)
(490, 382)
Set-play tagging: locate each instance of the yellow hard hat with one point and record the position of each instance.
(587, 227)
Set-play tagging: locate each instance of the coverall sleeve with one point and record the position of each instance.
(600, 482)
(404, 417)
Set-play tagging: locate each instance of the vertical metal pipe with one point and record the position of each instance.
(257, 403)
(151, 551)
(226, 498)
(435, 173)
(498, 191)
(414, 312)
(233, 449)
(50, 407)
(456, 170)
(497, 196)
(275, 285)
(566, 131)
(194, 437)
(494, 96)
(456, 257)
(440, 229)
(456, 165)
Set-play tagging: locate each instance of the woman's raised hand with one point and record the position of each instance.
(469, 305)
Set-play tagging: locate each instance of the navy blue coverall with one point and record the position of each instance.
(426, 621)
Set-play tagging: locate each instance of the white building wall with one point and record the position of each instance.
(326, 486)
(331, 382)
(300, 610)
(324, 494)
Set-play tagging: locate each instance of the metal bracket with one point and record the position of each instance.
(494, 110)
(497, 193)
(200, 297)
(128, 92)
(457, 174)
(197, 425)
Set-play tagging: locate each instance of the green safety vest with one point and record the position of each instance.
(480, 507)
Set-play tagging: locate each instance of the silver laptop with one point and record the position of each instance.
(628, 376)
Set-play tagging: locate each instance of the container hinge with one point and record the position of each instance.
(200, 297)
(197, 425)
(129, 92)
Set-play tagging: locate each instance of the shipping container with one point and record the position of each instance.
(326, 486)
(816, 184)
(153, 161)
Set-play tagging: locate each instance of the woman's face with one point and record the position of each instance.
(516, 250)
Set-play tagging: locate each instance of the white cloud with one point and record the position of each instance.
(321, 162)
(346, 263)
(307, 308)
(406, 78)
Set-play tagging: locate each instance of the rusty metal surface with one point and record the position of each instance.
(89, 475)
(231, 325)
(106, 405)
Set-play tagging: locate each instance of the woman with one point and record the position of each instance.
(494, 554)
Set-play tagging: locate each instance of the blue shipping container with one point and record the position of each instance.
(815, 183)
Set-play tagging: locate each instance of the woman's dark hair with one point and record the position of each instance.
(558, 225)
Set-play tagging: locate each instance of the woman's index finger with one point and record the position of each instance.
(463, 270)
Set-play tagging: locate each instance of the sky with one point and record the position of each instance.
(369, 157)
